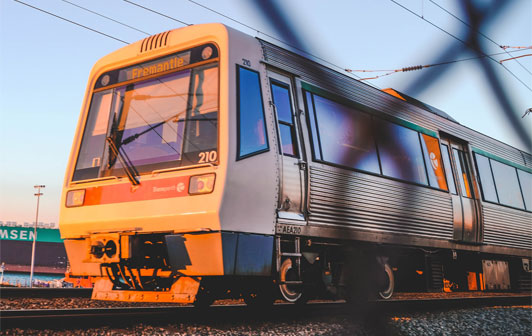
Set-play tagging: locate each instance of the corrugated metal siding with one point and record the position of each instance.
(372, 203)
(507, 227)
(338, 83)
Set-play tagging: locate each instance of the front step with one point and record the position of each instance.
(184, 290)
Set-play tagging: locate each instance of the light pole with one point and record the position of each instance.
(38, 194)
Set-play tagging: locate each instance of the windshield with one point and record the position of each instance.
(166, 122)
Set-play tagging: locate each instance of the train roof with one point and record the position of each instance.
(414, 101)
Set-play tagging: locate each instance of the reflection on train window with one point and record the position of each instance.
(316, 149)
(202, 121)
(158, 123)
(400, 152)
(345, 136)
(93, 143)
(448, 168)
(433, 161)
(525, 180)
(507, 184)
(144, 107)
(463, 172)
(252, 138)
(487, 185)
(283, 108)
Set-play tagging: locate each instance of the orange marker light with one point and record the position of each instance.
(75, 198)
(201, 184)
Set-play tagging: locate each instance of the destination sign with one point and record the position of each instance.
(160, 65)
(150, 68)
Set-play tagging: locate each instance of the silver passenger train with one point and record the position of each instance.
(210, 164)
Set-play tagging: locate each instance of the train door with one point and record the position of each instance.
(465, 206)
(292, 167)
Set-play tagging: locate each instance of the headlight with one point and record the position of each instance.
(75, 198)
(201, 184)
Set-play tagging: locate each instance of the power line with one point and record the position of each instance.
(420, 67)
(73, 22)
(106, 17)
(514, 58)
(479, 32)
(158, 13)
(266, 34)
(460, 40)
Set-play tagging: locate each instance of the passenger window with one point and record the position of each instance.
(433, 161)
(316, 149)
(345, 136)
(400, 152)
(252, 137)
(448, 168)
(487, 185)
(507, 184)
(283, 108)
(463, 172)
(526, 187)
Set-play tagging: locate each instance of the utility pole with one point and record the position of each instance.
(38, 194)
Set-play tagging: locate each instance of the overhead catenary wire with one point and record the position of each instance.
(514, 58)
(267, 35)
(462, 41)
(510, 47)
(106, 17)
(158, 13)
(73, 22)
(420, 67)
(479, 32)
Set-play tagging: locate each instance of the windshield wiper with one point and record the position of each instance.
(131, 171)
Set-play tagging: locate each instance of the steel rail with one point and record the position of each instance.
(38, 292)
(90, 317)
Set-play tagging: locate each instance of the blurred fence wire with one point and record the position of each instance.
(479, 16)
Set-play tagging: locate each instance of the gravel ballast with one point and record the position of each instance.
(473, 321)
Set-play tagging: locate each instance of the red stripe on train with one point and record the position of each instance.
(147, 190)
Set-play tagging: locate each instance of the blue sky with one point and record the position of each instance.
(45, 63)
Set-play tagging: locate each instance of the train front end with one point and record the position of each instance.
(144, 184)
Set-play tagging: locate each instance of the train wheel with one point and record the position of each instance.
(390, 283)
(287, 273)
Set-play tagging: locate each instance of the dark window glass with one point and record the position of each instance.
(287, 140)
(345, 135)
(283, 108)
(252, 127)
(507, 184)
(313, 129)
(487, 186)
(400, 152)
(433, 161)
(448, 168)
(463, 172)
(281, 99)
(526, 186)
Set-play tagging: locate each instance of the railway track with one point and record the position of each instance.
(38, 292)
(91, 317)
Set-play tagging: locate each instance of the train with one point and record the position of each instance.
(210, 164)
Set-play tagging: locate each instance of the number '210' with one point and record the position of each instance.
(205, 157)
